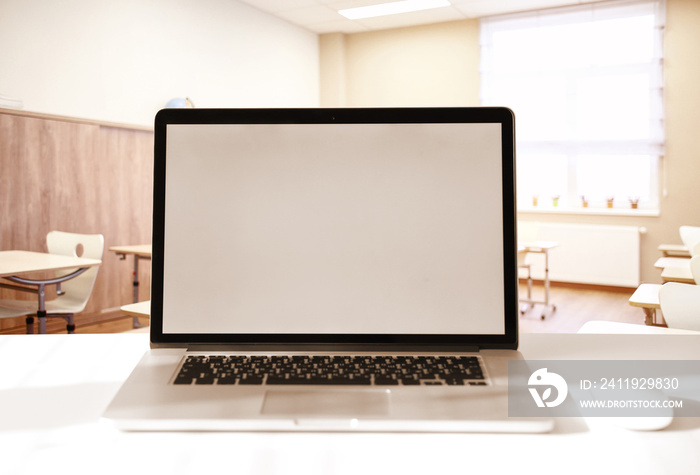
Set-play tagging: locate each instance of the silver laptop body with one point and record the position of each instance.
(306, 237)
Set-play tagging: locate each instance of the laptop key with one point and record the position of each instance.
(226, 379)
(318, 380)
(385, 381)
(205, 379)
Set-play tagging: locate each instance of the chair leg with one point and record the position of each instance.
(70, 327)
(42, 316)
(30, 325)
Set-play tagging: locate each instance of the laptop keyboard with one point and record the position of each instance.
(332, 370)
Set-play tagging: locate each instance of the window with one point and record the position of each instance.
(585, 84)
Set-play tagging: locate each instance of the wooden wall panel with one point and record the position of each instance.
(71, 175)
(128, 155)
(45, 160)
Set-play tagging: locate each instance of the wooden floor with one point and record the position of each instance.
(575, 305)
(108, 322)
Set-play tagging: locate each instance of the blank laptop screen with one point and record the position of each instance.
(337, 228)
(383, 226)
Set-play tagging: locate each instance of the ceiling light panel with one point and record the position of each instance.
(392, 8)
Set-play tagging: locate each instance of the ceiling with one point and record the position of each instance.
(321, 16)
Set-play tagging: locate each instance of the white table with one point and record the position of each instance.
(674, 250)
(139, 251)
(675, 269)
(55, 388)
(139, 309)
(646, 297)
(136, 310)
(21, 267)
(538, 247)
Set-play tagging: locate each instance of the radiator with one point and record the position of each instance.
(586, 254)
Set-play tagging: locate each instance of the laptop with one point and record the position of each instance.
(330, 270)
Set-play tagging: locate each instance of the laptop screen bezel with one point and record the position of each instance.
(499, 115)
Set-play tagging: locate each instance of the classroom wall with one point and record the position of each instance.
(121, 61)
(439, 65)
(429, 65)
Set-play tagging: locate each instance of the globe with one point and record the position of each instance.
(179, 103)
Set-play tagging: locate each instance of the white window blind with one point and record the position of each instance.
(585, 84)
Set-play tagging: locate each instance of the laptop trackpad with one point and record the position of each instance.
(327, 403)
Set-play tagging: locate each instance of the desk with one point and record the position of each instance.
(539, 247)
(677, 274)
(138, 309)
(646, 297)
(675, 269)
(51, 400)
(14, 265)
(139, 251)
(674, 250)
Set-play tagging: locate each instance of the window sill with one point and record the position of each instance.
(590, 211)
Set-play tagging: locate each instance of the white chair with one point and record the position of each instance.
(677, 269)
(16, 308)
(647, 295)
(680, 305)
(73, 294)
(690, 235)
(695, 269)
